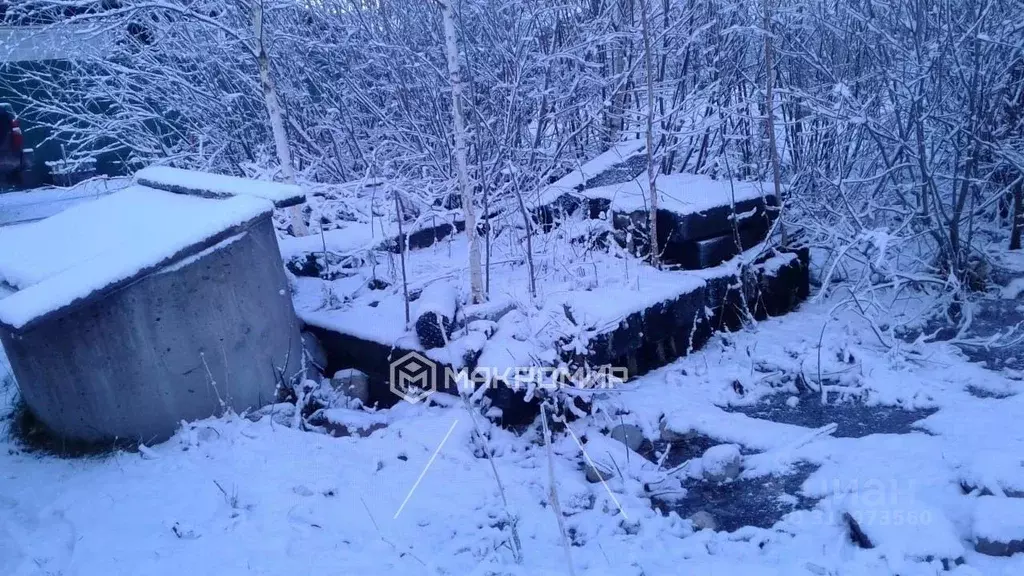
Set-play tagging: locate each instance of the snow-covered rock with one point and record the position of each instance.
(597, 472)
(721, 463)
(899, 525)
(347, 422)
(994, 472)
(703, 520)
(999, 526)
(435, 314)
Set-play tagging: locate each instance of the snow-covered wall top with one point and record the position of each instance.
(680, 193)
(217, 185)
(56, 262)
(579, 177)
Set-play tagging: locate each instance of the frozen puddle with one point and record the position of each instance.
(759, 502)
(854, 419)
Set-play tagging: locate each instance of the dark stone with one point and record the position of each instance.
(857, 535)
(998, 548)
(710, 252)
(550, 216)
(649, 338)
(599, 207)
(434, 330)
(777, 292)
(316, 265)
(423, 238)
(304, 266)
(685, 239)
(516, 412)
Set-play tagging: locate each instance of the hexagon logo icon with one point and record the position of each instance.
(413, 377)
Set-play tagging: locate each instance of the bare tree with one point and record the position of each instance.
(652, 166)
(455, 75)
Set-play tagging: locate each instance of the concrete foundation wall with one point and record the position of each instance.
(208, 333)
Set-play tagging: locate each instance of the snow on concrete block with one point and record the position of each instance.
(578, 179)
(435, 314)
(999, 526)
(144, 308)
(208, 185)
(103, 244)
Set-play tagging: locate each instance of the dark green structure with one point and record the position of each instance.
(36, 68)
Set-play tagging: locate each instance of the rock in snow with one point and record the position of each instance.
(900, 525)
(999, 526)
(670, 435)
(597, 472)
(629, 434)
(721, 463)
(435, 314)
(703, 520)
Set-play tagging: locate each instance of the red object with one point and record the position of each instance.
(17, 141)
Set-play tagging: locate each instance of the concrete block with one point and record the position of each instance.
(214, 330)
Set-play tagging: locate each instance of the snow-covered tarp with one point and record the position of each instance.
(218, 185)
(55, 262)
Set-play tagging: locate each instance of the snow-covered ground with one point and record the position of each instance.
(234, 496)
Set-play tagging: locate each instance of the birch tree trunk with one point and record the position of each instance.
(652, 167)
(461, 164)
(770, 108)
(276, 114)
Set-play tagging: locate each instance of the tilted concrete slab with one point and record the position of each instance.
(184, 326)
